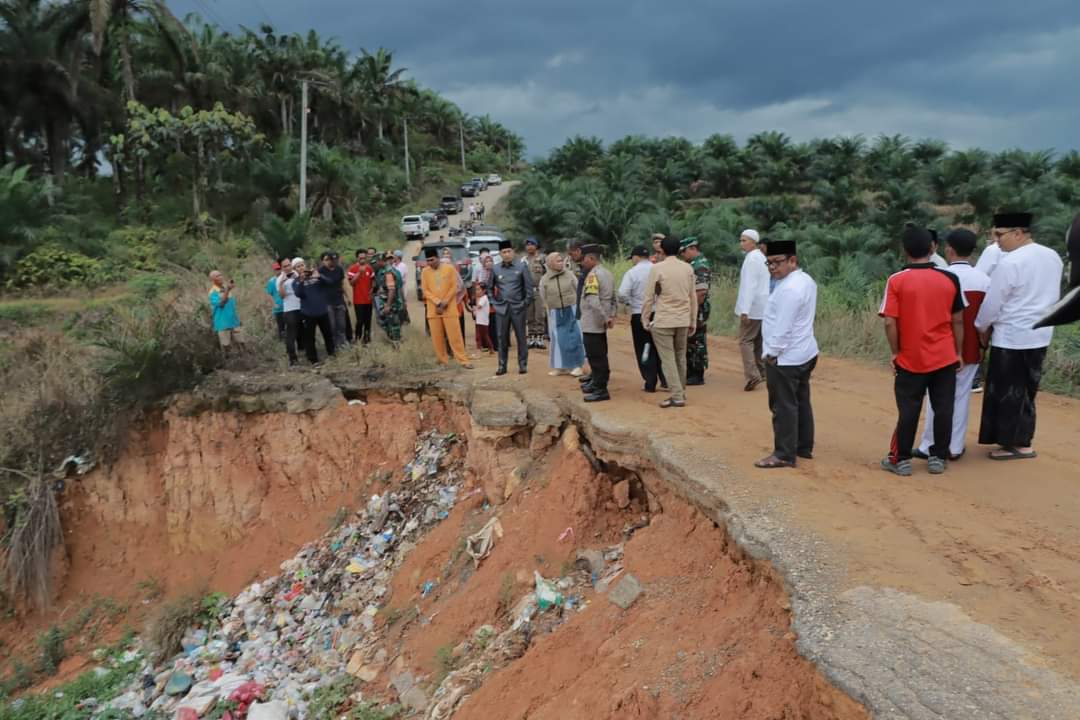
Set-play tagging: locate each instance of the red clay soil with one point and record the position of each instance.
(709, 638)
(210, 504)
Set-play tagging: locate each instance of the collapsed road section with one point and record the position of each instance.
(562, 566)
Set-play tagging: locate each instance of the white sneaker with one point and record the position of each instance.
(556, 373)
(576, 372)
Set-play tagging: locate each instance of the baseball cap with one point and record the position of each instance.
(639, 251)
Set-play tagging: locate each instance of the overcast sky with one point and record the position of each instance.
(991, 73)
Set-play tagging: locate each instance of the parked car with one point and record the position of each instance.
(414, 226)
(438, 219)
(485, 229)
(458, 251)
(478, 242)
(452, 204)
(470, 190)
(479, 182)
(494, 179)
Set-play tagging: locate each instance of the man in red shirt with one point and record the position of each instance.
(924, 323)
(361, 276)
(959, 246)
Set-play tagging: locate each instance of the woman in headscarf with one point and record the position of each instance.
(558, 288)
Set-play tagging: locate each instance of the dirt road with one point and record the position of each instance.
(998, 541)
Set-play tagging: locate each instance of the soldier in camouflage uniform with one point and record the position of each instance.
(536, 318)
(697, 349)
(388, 297)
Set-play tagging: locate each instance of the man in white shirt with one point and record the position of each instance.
(632, 294)
(1026, 281)
(750, 307)
(989, 259)
(790, 352)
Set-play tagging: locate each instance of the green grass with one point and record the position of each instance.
(61, 703)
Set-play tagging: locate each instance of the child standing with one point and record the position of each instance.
(482, 316)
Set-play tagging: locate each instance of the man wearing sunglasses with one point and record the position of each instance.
(1025, 283)
(790, 352)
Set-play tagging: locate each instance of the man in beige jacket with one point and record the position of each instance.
(671, 299)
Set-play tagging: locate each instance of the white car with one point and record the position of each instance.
(494, 179)
(414, 226)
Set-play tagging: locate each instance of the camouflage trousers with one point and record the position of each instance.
(697, 348)
(536, 319)
(390, 321)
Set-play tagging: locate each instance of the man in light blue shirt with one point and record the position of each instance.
(275, 296)
(223, 310)
(632, 294)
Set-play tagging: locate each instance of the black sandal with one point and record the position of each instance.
(772, 462)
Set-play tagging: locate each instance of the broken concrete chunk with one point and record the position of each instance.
(275, 710)
(415, 699)
(403, 683)
(625, 592)
(621, 492)
(591, 560)
(498, 409)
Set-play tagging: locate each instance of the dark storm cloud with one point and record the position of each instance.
(989, 73)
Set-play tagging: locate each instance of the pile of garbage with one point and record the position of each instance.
(281, 639)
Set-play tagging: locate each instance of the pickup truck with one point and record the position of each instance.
(494, 179)
(458, 251)
(414, 226)
(452, 204)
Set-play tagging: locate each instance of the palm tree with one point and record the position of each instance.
(117, 19)
(380, 83)
(39, 57)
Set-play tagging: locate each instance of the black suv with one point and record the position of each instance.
(469, 190)
(452, 204)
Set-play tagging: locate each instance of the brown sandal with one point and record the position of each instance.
(772, 462)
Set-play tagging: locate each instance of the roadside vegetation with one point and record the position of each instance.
(843, 199)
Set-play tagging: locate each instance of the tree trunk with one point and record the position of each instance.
(125, 67)
(379, 121)
(57, 146)
(284, 118)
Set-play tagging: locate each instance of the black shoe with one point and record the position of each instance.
(917, 453)
(806, 455)
(588, 388)
(584, 379)
(695, 381)
(522, 370)
(500, 371)
(597, 396)
(664, 386)
(649, 389)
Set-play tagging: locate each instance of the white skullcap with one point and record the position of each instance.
(752, 234)
(298, 260)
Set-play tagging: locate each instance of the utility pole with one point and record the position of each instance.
(408, 183)
(509, 156)
(461, 136)
(303, 145)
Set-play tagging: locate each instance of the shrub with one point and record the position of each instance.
(54, 267)
(166, 629)
(51, 650)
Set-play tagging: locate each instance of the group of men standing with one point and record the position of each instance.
(941, 316)
(309, 299)
(939, 322)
